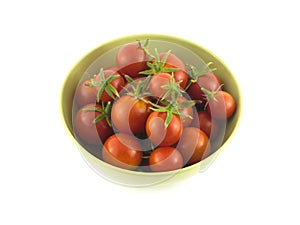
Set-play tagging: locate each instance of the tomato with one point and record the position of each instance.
(131, 59)
(158, 133)
(117, 84)
(89, 132)
(222, 105)
(165, 159)
(122, 150)
(129, 114)
(204, 122)
(85, 93)
(157, 81)
(209, 81)
(113, 68)
(193, 145)
(174, 62)
(186, 121)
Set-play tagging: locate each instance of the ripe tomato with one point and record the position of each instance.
(165, 159)
(85, 93)
(193, 145)
(117, 84)
(174, 62)
(204, 122)
(157, 81)
(131, 59)
(129, 114)
(89, 132)
(186, 121)
(122, 150)
(222, 105)
(158, 133)
(209, 81)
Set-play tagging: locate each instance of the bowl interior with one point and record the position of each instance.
(103, 55)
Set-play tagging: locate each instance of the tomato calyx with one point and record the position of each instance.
(169, 101)
(138, 89)
(195, 73)
(173, 90)
(158, 65)
(105, 85)
(210, 95)
(104, 113)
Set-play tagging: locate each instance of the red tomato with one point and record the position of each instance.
(157, 81)
(174, 62)
(186, 121)
(130, 114)
(122, 150)
(158, 133)
(209, 81)
(165, 159)
(204, 122)
(131, 59)
(85, 93)
(222, 106)
(113, 68)
(193, 145)
(117, 83)
(89, 132)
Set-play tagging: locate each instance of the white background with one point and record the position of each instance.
(44, 179)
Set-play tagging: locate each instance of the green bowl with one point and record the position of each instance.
(103, 55)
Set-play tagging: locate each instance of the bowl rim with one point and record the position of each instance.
(165, 37)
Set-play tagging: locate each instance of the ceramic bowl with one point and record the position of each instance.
(103, 55)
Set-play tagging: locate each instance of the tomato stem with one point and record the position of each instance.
(145, 48)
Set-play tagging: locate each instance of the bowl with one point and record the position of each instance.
(104, 54)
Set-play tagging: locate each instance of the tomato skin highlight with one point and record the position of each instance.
(158, 134)
(204, 122)
(209, 81)
(165, 159)
(123, 151)
(129, 114)
(193, 145)
(131, 59)
(89, 132)
(222, 106)
(85, 93)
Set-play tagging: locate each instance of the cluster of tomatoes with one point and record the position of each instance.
(151, 111)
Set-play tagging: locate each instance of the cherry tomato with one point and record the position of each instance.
(129, 114)
(204, 122)
(85, 93)
(157, 81)
(158, 133)
(117, 83)
(131, 59)
(165, 159)
(186, 121)
(209, 81)
(87, 130)
(122, 150)
(222, 105)
(174, 62)
(193, 145)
